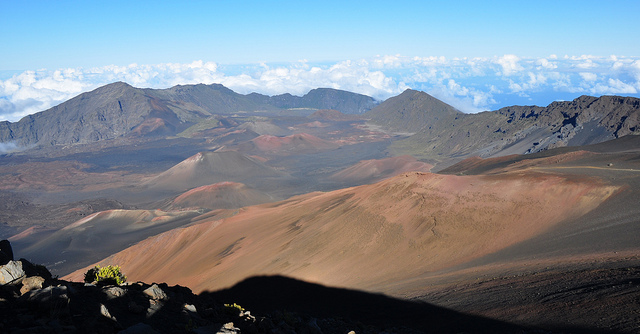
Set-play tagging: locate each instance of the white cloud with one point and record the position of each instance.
(8, 147)
(470, 84)
(536, 79)
(586, 76)
(468, 100)
(587, 64)
(546, 64)
(509, 64)
(614, 86)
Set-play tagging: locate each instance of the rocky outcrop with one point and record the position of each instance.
(438, 132)
(31, 301)
(21, 273)
(135, 308)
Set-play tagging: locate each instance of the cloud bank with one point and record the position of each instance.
(469, 84)
(8, 147)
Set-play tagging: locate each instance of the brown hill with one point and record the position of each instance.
(223, 195)
(211, 167)
(299, 143)
(152, 127)
(366, 237)
(377, 169)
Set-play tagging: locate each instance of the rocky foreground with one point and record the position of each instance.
(32, 301)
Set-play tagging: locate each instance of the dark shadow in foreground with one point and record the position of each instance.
(372, 312)
(274, 304)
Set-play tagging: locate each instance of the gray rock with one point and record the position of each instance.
(11, 272)
(104, 311)
(228, 328)
(190, 308)
(114, 292)
(31, 283)
(47, 294)
(154, 306)
(155, 292)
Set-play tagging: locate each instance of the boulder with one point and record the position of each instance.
(31, 283)
(114, 292)
(46, 295)
(15, 271)
(155, 292)
(11, 272)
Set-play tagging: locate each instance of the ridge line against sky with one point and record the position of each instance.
(474, 55)
(469, 84)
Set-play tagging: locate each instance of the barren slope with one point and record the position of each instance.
(100, 234)
(211, 167)
(378, 169)
(365, 237)
(223, 195)
(299, 143)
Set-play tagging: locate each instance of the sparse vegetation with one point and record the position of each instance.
(107, 275)
(233, 309)
(234, 306)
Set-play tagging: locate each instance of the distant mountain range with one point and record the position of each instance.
(118, 109)
(434, 130)
(439, 132)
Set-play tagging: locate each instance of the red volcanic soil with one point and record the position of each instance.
(294, 144)
(31, 231)
(375, 170)
(314, 124)
(369, 237)
(211, 167)
(223, 195)
(151, 126)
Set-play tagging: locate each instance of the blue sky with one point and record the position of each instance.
(475, 55)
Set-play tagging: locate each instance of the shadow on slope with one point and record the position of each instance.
(625, 146)
(99, 235)
(365, 312)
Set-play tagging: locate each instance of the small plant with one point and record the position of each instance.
(108, 275)
(233, 309)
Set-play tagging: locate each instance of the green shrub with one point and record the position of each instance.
(233, 309)
(108, 275)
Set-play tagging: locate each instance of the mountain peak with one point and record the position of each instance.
(411, 111)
